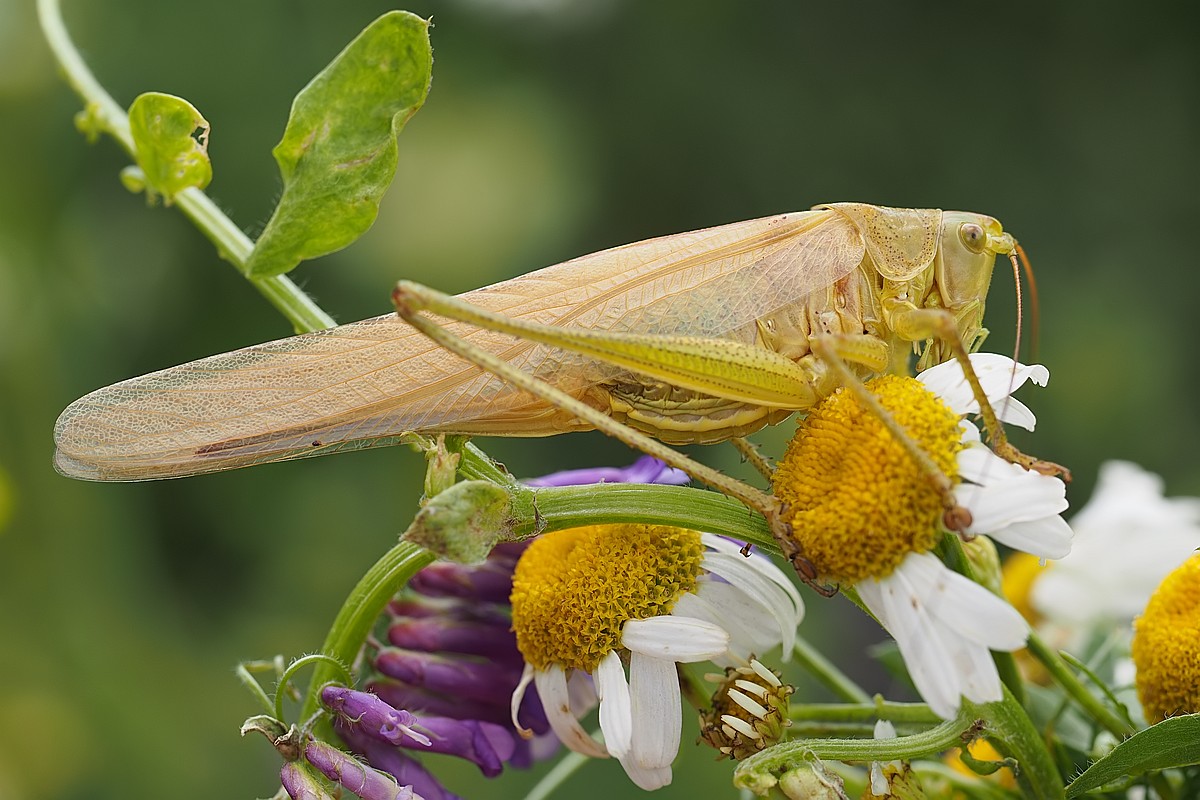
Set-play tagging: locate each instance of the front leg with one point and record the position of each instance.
(916, 324)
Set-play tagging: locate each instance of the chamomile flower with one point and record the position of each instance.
(587, 601)
(866, 514)
(1098, 585)
(1166, 649)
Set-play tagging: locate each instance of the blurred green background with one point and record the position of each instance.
(554, 128)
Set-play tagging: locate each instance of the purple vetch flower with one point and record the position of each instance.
(646, 469)
(344, 769)
(372, 715)
(301, 784)
(396, 762)
(450, 661)
(357, 714)
(468, 680)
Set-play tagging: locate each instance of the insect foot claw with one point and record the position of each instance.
(807, 570)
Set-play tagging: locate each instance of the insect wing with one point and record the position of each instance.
(364, 384)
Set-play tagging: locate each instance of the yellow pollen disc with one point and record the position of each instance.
(573, 590)
(857, 501)
(1166, 646)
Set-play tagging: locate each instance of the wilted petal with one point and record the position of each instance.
(552, 686)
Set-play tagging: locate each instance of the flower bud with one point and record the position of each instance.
(346, 770)
(301, 784)
(749, 711)
(810, 781)
(463, 523)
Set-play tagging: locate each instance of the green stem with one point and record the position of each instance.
(902, 713)
(567, 766)
(824, 670)
(1074, 688)
(554, 508)
(360, 611)
(232, 244)
(758, 772)
(338, 668)
(1009, 729)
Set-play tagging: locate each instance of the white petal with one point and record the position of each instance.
(657, 711)
(979, 680)
(980, 465)
(947, 382)
(1014, 412)
(1049, 537)
(552, 688)
(764, 565)
(999, 373)
(999, 376)
(966, 620)
(768, 593)
(871, 593)
(879, 783)
(751, 629)
(616, 717)
(965, 608)
(647, 778)
(920, 642)
(747, 702)
(1021, 498)
(676, 638)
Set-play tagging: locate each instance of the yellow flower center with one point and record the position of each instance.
(857, 501)
(573, 590)
(1166, 646)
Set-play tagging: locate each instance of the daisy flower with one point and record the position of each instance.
(441, 679)
(1098, 585)
(1166, 649)
(866, 515)
(587, 601)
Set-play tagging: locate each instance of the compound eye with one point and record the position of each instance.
(972, 236)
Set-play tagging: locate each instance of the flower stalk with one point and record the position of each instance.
(358, 614)
(103, 113)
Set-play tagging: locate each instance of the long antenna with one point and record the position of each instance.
(1020, 307)
(1035, 316)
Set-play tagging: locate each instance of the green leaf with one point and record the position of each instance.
(1174, 742)
(171, 139)
(338, 153)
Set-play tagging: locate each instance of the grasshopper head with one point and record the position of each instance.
(966, 253)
